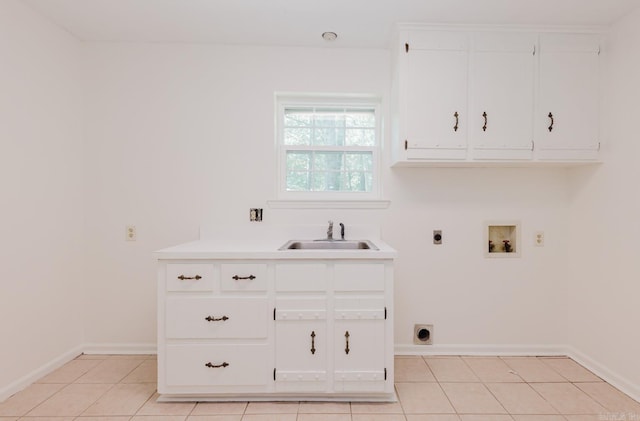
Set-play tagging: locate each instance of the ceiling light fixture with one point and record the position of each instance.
(329, 36)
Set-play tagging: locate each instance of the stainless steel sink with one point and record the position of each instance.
(329, 245)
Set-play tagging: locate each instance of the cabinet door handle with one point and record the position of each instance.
(313, 342)
(456, 115)
(484, 115)
(236, 277)
(213, 319)
(346, 338)
(551, 125)
(223, 365)
(182, 277)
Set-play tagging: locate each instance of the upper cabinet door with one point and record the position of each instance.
(502, 95)
(434, 95)
(568, 113)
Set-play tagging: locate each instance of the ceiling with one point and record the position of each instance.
(358, 23)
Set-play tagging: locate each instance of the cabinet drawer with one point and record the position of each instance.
(218, 365)
(244, 277)
(216, 317)
(301, 277)
(190, 276)
(359, 277)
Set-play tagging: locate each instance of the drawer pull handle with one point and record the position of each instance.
(237, 278)
(484, 115)
(346, 337)
(456, 115)
(313, 342)
(182, 277)
(213, 319)
(551, 118)
(223, 365)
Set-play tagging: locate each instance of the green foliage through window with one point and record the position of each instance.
(329, 149)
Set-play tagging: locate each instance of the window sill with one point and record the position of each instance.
(328, 204)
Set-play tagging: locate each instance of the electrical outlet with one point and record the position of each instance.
(437, 236)
(539, 239)
(131, 234)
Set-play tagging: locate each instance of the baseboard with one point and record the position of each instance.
(614, 379)
(464, 349)
(39, 372)
(134, 348)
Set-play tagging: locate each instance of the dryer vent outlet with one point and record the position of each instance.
(423, 334)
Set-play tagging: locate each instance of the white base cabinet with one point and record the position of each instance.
(275, 330)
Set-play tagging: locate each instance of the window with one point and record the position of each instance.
(328, 148)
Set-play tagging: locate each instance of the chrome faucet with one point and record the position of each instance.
(330, 231)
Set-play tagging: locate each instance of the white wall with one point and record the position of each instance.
(41, 187)
(181, 135)
(604, 289)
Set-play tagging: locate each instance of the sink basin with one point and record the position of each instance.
(329, 245)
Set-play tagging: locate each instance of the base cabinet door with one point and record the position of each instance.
(301, 346)
(359, 356)
(359, 345)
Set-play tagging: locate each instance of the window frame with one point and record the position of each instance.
(286, 101)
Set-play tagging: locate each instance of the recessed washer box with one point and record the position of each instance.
(502, 239)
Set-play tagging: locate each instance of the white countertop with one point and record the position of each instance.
(225, 246)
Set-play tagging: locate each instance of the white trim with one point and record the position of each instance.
(586, 29)
(39, 373)
(614, 379)
(328, 204)
(133, 348)
(470, 349)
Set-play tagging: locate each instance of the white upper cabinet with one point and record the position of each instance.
(434, 95)
(501, 91)
(567, 113)
(491, 97)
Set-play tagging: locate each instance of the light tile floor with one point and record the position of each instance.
(122, 388)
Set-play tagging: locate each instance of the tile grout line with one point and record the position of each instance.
(455, 410)
(498, 400)
(399, 400)
(67, 385)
